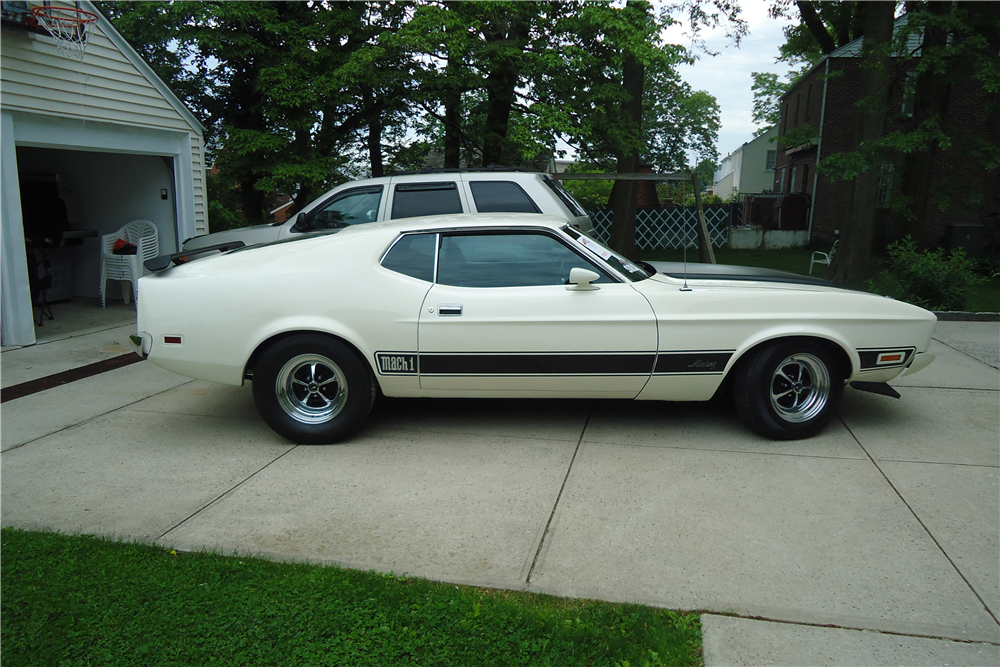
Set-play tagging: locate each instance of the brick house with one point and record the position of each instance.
(824, 101)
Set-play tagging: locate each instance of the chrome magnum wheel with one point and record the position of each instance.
(800, 388)
(313, 389)
(788, 389)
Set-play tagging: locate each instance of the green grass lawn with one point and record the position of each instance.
(983, 298)
(88, 601)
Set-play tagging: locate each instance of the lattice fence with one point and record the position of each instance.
(676, 227)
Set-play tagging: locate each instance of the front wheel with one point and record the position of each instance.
(312, 389)
(788, 390)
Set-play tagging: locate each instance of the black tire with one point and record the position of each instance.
(313, 389)
(788, 389)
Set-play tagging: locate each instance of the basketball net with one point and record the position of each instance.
(68, 27)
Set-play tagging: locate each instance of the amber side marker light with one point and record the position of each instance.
(889, 358)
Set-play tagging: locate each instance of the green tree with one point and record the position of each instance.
(938, 44)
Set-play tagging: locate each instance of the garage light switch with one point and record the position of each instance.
(163, 194)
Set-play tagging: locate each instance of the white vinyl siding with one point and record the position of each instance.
(199, 171)
(107, 87)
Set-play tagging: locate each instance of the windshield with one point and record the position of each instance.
(613, 259)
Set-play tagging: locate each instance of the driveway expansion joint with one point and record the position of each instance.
(87, 421)
(963, 352)
(923, 525)
(834, 626)
(555, 505)
(226, 492)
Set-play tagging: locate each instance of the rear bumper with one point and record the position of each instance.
(141, 343)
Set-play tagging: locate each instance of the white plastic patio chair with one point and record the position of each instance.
(143, 235)
(822, 257)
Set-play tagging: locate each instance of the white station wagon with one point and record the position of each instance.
(513, 306)
(410, 195)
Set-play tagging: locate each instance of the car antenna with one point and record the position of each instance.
(685, 288)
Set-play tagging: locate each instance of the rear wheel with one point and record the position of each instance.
(312, 389)
(788, 390)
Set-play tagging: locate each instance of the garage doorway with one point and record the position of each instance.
(87, 194)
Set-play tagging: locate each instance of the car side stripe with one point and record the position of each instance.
(537, 364)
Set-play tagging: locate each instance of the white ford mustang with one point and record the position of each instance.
(514, 305)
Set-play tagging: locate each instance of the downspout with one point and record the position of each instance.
(819, 149)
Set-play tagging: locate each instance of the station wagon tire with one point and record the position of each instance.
(788, 390)
(313, 389)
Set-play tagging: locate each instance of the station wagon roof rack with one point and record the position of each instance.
(462, 170)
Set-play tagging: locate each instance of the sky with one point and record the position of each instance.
(727, 75)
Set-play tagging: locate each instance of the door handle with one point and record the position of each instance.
(450, 309)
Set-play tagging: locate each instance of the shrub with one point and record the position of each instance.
(930, 279)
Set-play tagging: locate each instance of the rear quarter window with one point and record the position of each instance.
(413, 255)
(501, 197)
(411, 200)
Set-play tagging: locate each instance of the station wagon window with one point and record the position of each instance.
(501, 197)
(565, 196)
(415, 199)
(348, 208)
(412, 255)
(508, 260)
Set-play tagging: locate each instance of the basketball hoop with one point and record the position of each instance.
(68, 26)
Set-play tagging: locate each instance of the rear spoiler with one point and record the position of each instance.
(163, 261)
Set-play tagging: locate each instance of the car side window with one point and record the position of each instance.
(508, 260)
(349, 208)
(415, 199)
(412, 255)
(501, 197)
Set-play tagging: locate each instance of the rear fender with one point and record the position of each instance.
(292, 325)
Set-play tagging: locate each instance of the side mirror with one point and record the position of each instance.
(580, 280)
(301, 225)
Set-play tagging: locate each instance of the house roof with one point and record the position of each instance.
(140, 64)
(853, 50)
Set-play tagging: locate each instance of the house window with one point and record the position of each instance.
(909, 92)
(791, 183)
(884, 186)
(784, 118)
(772, 157)
(805, 178)
(809, 90)
(798, 100)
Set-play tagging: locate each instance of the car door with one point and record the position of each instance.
(500, 320)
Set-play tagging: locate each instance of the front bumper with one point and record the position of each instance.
(921, 360)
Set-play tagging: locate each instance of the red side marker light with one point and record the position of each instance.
(172, 340)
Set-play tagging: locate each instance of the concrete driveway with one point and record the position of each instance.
(877, 542)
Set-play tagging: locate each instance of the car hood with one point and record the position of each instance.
(695, 271)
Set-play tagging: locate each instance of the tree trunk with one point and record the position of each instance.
(374, 134)
(854, 252)
(501, 86)
(626, 193)
(705, 253)
(452, 121)
(808, 15)
(930, 99)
